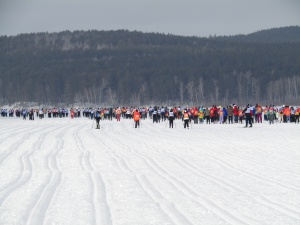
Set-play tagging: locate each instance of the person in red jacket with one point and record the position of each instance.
(235, 113)
(211, 114)
(72, 114)
(136, 118)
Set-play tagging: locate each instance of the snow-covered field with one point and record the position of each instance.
(61, 171)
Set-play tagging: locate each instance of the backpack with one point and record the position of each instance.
(136, 117)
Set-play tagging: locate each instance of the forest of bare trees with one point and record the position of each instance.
(247, 90)
(116, 68)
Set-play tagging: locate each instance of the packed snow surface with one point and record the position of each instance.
(64, 171)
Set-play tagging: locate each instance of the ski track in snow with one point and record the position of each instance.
(183, 189)
(60, 171)
(26, 165)
(101, 208)
(38, 211)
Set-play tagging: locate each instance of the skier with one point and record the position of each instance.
(195, 115)
(186, 119)
(72, 114)
(97, 118)
(136, 118)
(230, 115)
(247, 112)
(154, 114)
(221, 115)
(31, 115)
(235, 113)
(287, 114)
(207, 115)
(225, 115)
(258, 113)
(297, 113)
(271, 115)
(201, 116)
(24, 113)
(118, 114)
(171, 118)
(110, 113)
(211, 114)
(241, 115)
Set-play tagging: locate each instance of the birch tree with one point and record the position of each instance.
(181, 92)
(190, 90)
(216, 89)
(101, 88)
(111, 96)
(200, 90)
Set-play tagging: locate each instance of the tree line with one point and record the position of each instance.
(130, 67)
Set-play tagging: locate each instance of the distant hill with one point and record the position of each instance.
(123, 67)
(275, 35)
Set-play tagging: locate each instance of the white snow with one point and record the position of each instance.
(63, 171)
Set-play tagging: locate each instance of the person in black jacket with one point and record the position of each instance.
(171, 118)
(97, 118)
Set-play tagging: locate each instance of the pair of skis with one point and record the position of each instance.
(96, 127)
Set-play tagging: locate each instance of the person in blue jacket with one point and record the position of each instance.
(225, 115)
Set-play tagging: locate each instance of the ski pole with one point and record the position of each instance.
(93, 124)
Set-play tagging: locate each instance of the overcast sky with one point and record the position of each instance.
(181, 17)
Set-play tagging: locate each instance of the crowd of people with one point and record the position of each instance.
(198, 115)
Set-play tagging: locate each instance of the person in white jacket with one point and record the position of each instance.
(247, 112)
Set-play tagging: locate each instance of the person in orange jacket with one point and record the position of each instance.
(186, 119)
(118, 114)
(241, 115)
(136, 118)
(297, 114)
(287, 114)
(258, 112)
